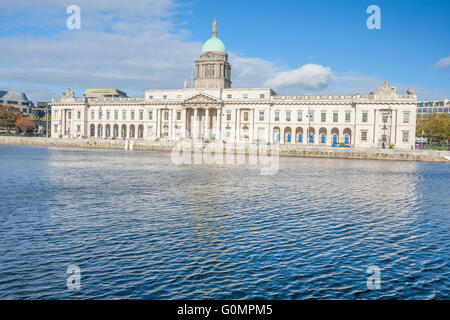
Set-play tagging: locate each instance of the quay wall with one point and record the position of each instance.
(284, 149)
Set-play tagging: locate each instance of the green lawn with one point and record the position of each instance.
(436, 148)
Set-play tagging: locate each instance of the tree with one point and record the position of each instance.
(9, 116)
(25, 124)
(434, 125)
(33, 117)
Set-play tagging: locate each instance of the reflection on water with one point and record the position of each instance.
(140, 227)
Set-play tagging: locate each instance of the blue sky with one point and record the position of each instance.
(303, 47)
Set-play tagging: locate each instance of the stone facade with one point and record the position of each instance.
(213, 110)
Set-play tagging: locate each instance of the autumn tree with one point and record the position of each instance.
(25, 124)
(9, 116)
(434, 125)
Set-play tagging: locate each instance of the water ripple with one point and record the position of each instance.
(140, 227)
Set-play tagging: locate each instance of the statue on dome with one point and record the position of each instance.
(214, 28)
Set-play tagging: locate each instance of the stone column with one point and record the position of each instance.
(252, 125)
(63, 125)
(170, 137)
(158, 123)
(218, 124)
(195, 135)
(206, 123)
(72, 124)
(238, 124)
(184, 126)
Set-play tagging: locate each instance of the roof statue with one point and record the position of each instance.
(68, 94)
(214, 28)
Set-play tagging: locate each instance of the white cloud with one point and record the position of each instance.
(251, 72)
(130, 47)
(443, 63)
(310, 77)
(133, 47)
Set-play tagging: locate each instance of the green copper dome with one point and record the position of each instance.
(213, 44)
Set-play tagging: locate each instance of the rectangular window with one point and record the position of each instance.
(92, 115)
(69, 115)
(150, 97)
(107, 115)
(166, 115)
(229, 96)
(277, 115)
(78, 115)
(385, 117)
(262, 96)
(261, 116)
(405, 117)
(116, 115)
(124, 115)
(164, 97)
(100, 115)
(246, 116)
(56, 114)
(150, 115)
(228, 115)
(323, 117)
(245, 96)
(288, 116)
(383, 137)
(311, 116)
(178, 115)
(405, 136)
(335, 117)
(141, 115)
(347, 117)
(299, 116)
(364, 116)
(363, 135)
(132, 115)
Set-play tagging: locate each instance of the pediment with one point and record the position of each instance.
(202, 98)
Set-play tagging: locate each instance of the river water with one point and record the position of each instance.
(140, 227)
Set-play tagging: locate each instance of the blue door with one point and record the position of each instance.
(107, 132)
(278, 137)
(334, 139)
(323, 138)
(300, 138)
(311, 138)
(289, 137)
(99, 133)
(347, 139)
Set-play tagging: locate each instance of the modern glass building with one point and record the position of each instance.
(436, 106)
